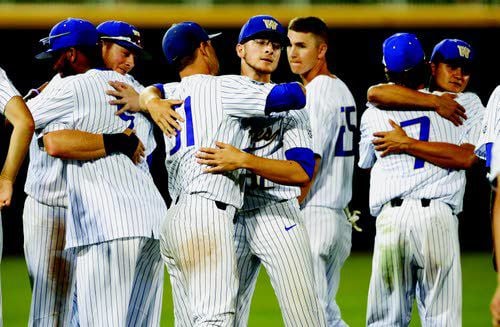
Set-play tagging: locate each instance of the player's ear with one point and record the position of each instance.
(203, 48)
(71, 55)
(240, 50)
(322, 48)
(433, 68)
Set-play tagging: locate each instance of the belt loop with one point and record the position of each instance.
(221, 205)
(425, 202)
(396, 202)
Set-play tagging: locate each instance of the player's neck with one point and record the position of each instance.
(255, 75)
(320, 68)
(193, 69)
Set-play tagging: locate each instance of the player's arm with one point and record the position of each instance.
(445, 155)
(304, 190)
(296, 170)
(20, 117)
(393, 96)
(151, 100)
(78, 145)
(495, 302)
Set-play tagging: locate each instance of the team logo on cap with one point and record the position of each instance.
(270, 24)
(136, 33)
(463, 51)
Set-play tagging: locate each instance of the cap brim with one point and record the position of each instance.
(45, 55)
(211, 36)
(271, 35)
(134, 48)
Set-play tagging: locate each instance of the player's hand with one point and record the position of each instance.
(139, 153)
(164, 115)
(448, 108)
(225, 158)
(6, 190)
(391, 142)
(495, 308)
(126, 96)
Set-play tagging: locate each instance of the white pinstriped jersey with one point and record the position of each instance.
(7, 90)
(491, 124)
(332, 112)
(405, 176)
(109, 198)
(46, 178)
(495, 162)
(213, 107)
(271, 137)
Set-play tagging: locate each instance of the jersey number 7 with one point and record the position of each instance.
(425, 124)
(188, 129)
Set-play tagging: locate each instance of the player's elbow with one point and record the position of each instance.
(301, 178)
(468, 161)
(373, 94)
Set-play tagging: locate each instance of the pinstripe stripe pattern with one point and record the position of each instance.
(491, 123)
(7, 90)
(118, 282)
(495, 162)
(197, 245)
(261, 236)
(217, 105)
(395, 176)
(327, 100)
(416, 254)
(50, 267)
(271, 137)
(330, 245)
(94, 185)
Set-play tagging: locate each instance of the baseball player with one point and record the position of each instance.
(269, 227)
(49, 266)
(333, 121)
(494, 172)
(197, 241)
(14, 109)
(117, 233)
(491, 127)
(416, 195)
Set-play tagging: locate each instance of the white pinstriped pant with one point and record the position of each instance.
(330, 237)
(275, 236)
(416, 254)
(119, 283)
(50, 267)
(197, 245)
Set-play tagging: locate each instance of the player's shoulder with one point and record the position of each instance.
(3, 74)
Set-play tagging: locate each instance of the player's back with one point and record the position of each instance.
(405, 176)
(212, 108)
(333, 120)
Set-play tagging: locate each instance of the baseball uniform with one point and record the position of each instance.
(491, 127)
(114, 211)
(7, 92)
(416, 251)
(269, 228)
(197, 241)
(332, 111)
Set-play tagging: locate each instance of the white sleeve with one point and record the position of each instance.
(7, 90)
(367, 155)
(55, 105)
(475, 112)
(490, 126)
(243, 97)
(297, 130)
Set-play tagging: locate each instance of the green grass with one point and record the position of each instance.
(478, 286)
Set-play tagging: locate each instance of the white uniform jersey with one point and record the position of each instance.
(46, 178)
(7, 90)
(495, 159)
(333, 121)
(109, 198)
(271, 137)
(213, 107)
(491, 126)
(404, 176)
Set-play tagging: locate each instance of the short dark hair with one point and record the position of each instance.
(412, 78)
(310, 24)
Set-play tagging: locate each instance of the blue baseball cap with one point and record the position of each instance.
(263, 26)
(182, 39)
(453, 50)
(71, 32)
(121, 33)
(402, 52)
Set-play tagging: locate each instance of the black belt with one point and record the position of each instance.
(218, 204)
(397, 202)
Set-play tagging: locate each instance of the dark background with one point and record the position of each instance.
(354, 56)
